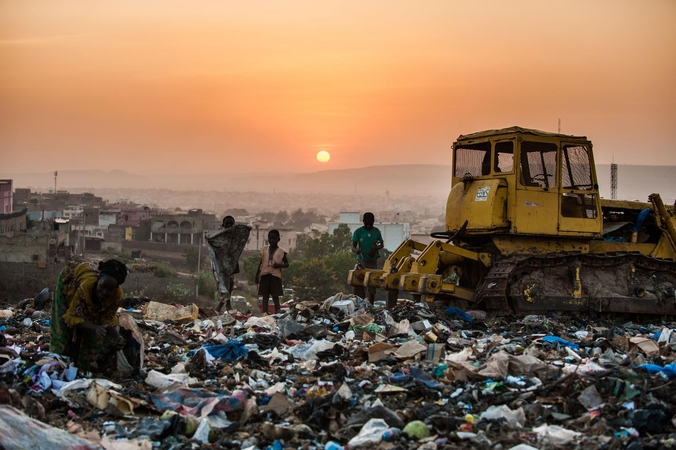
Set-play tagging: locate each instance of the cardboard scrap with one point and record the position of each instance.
(380, 351)
(279, 404)
(647, 345)
(409, 350)
(502, 364)
(362, 319)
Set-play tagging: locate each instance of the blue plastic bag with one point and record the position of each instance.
(561, 341)
(230, 351)
(669, 370)
(458, 312)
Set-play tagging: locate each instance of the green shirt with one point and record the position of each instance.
(366, 240)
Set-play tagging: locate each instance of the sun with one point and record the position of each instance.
(323, 156)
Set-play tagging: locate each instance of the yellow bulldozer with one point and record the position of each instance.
(527, 232)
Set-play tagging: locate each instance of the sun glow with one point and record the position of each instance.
(323, 156)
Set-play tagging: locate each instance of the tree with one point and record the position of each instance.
(301, 220)
(341, 238)
(319, 264)
(191, 259)
(315, 280)
(267, 216)
(249, 266)
(282, 217)
(340, 264)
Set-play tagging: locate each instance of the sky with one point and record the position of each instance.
(262, 86)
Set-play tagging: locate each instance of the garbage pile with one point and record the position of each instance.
(345, 374)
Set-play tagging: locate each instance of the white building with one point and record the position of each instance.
(72, 212)
(108, 217)
(393, 233)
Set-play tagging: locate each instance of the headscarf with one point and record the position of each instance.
(115, 269)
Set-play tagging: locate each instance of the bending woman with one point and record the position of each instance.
(83, 320)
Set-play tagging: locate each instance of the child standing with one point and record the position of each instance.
(269, 274)
(366, 241)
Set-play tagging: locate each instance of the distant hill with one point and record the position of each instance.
(635, 182)
(398, 180)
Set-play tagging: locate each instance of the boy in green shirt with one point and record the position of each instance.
(366, 241)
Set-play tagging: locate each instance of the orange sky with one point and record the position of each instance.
(226, 86)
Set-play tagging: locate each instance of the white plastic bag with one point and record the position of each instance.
(370, 434)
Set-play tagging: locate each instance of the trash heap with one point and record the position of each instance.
(345, 374)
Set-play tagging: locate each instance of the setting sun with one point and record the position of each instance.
(323, 156)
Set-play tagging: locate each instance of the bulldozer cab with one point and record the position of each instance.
(526, 182)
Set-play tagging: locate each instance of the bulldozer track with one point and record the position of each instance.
(495, 295)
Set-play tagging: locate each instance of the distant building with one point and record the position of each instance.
(21, 248)
(397, 216)
(41, 215)
(259, 236)
(54, 201)
(22, 196)
(6, 203)
(393, 233)
(133, 216)
(108, 217)
(181, 228)
(72, 212)
(13, 222)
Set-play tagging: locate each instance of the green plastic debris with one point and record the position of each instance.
(417, 429)
(439, 371)
(370, 328)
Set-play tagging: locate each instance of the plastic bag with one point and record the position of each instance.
(20, 431)
(561, 341)
(458, 312)
(515, 418)
(370, 433)
(230, 351)
(669, 370)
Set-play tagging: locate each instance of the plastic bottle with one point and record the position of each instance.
(391, 434)
(333, 445)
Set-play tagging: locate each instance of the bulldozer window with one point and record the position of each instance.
(582, 206)
(504, 157)
(473, 160)
(538, 164)
(576, 168)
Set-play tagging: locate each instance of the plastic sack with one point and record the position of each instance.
(370, 433)
(202, 432)
(230, 351)
(561, 341)
(19, 431)
(669, 370)
(162, 381)
(308, 351)
(556, 435)
(515, 418)
(458, 312)
(225, 247)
